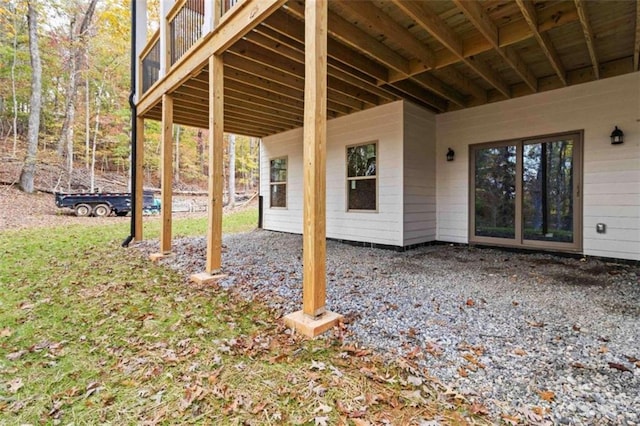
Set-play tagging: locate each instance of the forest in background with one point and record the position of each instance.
(85, 120)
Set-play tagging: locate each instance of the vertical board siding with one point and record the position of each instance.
(419, 210)
(611, 173)
(382, 125)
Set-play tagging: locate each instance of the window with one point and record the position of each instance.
(527, 192)
(278, 182)
(361, 177)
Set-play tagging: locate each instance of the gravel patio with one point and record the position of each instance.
(554, 337)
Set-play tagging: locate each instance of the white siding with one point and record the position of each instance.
(419, 175)
(611, 174)
(382, 125)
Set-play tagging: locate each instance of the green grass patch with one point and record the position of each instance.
(92, 333)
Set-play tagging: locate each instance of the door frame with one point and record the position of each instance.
(518, 241)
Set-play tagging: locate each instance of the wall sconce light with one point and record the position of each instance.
(451, 154)
(617, 137)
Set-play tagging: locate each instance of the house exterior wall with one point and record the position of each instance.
(611, 174)
(382, 125)
(419, 175)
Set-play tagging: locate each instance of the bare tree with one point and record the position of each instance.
(29, 167)
(78, 47)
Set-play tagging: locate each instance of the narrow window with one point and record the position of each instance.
(278, 182)
(361, 177)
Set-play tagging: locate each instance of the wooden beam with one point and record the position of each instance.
(232, 27)
(528, 11)
(588, 36)
(636, 45)
(216, 142)
(315, 146)
(342, 30)
(483, 23)
(380, 22)
(166, 171)
(553, 16)
(434, 25)
(139, 171)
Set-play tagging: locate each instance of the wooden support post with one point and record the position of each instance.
(166, 159)
(216, 135)
(137, 191)
(313, 319)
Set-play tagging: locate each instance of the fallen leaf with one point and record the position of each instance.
(536, 323)
(578, 365)
(478, 409)
(14, 385)
(463, 372)
(5, 332)
(470, 302)
(322, 408)
(360, 422)
(519, 351)
(414, 380)
(321, 421)
(315, 365)
(619, 367)
(547, 395)
(603, 349)
(510, 419)
(15, 355)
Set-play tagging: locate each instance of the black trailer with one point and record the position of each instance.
(103, 204)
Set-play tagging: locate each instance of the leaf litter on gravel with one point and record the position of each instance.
(111, 338)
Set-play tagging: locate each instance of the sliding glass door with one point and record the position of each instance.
(527, 193)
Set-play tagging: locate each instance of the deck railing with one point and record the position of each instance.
(185, 23)
(150, 59)
(185, 27)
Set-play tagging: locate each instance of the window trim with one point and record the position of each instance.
(356, 178)
(285, 183)
(578, 195)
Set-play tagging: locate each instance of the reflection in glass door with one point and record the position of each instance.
(495, 200)
(547, 188)
(526, 193)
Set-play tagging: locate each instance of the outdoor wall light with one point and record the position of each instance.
(451, 153)
(617, 137)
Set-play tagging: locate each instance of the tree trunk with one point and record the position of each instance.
(13, 83)
(87, 128)
(77, 54)
(29, 168)
(95, 139)
(232, 170)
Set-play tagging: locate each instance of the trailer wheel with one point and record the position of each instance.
(122, 213)
(82, 210)
(101, 210)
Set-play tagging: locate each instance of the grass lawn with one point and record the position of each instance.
(92, 333)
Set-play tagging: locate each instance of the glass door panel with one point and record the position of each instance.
(547, 181)
(495, 192)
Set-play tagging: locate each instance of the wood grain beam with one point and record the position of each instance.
(342, 30)
(636, 45)
(378, 21)
(588, 36)
(553, 16)
(166, 173)
(314, 160)
(216, 178)
(139, 171)
(232, 27)
(434, 25)
(483, 23)
(290, 31)
(528, 11)
(339, 90)
(293, 28)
